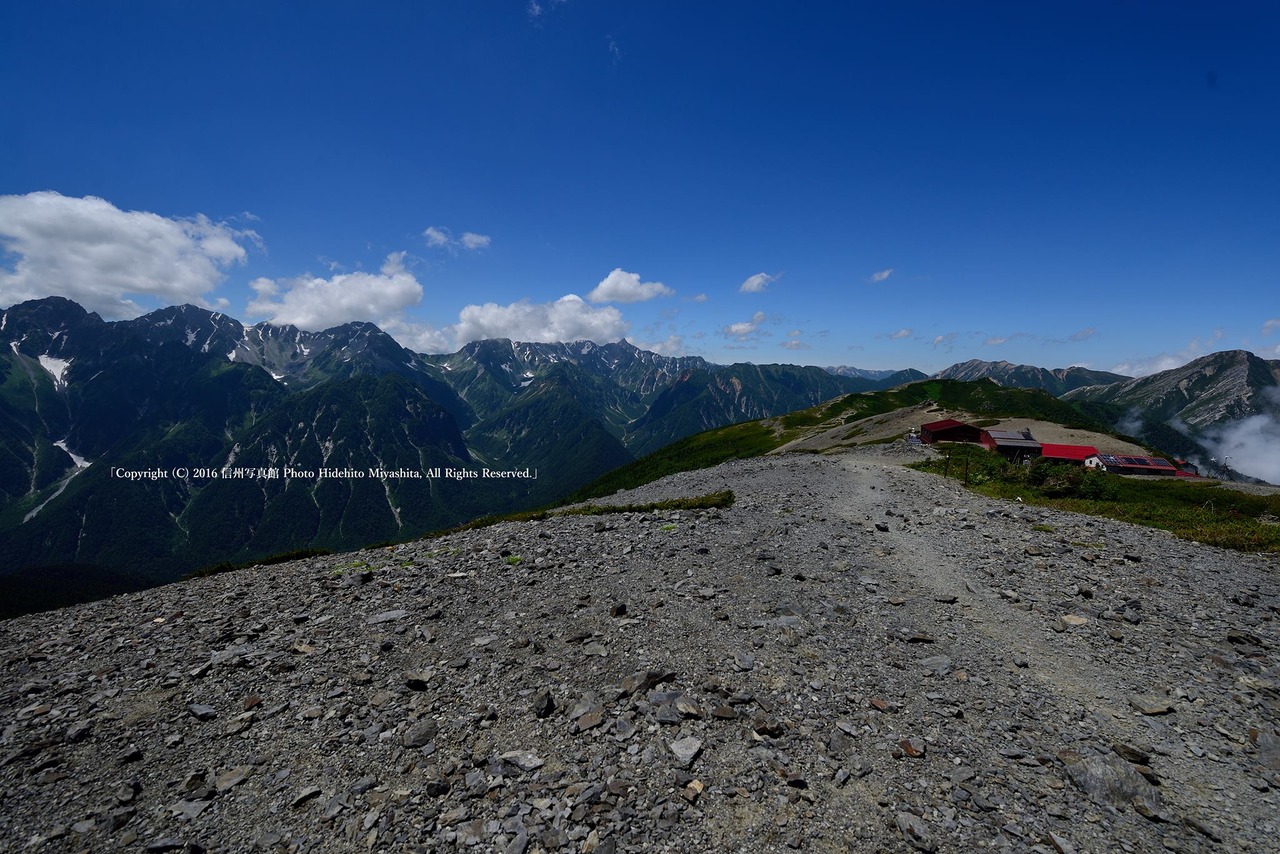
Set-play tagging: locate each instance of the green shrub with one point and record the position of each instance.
(1191, 509)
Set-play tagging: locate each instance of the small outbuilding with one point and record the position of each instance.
(1015, 446)
(948, 430)
(1075, 454)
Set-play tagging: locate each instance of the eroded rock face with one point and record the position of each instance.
(855, 656)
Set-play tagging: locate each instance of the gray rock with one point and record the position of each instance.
(1112, 781)
(915, 831)
(810, 742)
(523, 760)
(1151, 705)
(686, 750)
(420, 733)
(543, 704)
(303, 795)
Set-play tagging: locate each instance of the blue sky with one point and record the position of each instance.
(883, 185)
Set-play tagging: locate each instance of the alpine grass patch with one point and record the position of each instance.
(1192, 509)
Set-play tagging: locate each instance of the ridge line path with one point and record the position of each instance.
(921, 565)
(854, 657)
(1060, 633)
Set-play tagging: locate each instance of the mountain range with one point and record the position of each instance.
(150, 447)
(132, 452)
(1221, 410)
(1056, 381)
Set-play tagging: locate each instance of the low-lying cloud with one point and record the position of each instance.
(568, 318)
(672, 345)
(1247, 446)
(1250, 443)
(314, 303)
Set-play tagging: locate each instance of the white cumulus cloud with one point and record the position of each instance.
(314, 303)
(673, 345)
(420, 337)
(567, 319)
(88, 250)
(1145, 365)
(900, 334)
(439, 237)
(1083, 334)
(621, 286)
(746, 329)
(756, 284)
(881, 275)
(471, 240)
(436, 236)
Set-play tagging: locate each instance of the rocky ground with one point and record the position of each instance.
(854, 657)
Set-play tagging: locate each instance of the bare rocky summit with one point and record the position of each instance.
(854, 657)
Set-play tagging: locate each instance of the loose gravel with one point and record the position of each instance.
(854, 657)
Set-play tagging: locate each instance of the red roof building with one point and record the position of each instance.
(1067, 453)
(1014, 445)
(948, 430)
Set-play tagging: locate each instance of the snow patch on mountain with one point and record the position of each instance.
(81, 462)
(57, 368)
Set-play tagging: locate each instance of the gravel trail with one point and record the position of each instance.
(854, 657)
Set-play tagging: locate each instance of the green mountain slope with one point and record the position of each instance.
(755, 438)
(703, 399)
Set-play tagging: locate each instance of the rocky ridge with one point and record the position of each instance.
(854, 657)
(1055, 380)
(1209, 391)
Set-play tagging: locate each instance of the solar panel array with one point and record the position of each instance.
(1143, 462)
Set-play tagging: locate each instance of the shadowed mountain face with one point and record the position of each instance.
(151, 447)
(703, 399)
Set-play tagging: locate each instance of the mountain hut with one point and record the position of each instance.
(948, 430)
(1015, 446)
